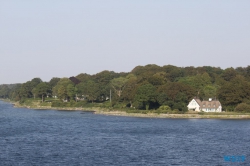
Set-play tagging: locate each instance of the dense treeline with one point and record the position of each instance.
(145, 87)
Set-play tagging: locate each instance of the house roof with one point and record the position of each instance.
(210, 104)
(207, 104)
(198, 101)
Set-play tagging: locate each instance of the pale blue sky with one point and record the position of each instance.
(63, 38)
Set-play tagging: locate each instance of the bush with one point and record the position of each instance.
(58, 104)
(242, 107)
(164, 107)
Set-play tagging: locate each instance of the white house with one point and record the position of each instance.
(206, 106)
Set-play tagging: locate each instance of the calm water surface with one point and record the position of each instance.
(47, 137)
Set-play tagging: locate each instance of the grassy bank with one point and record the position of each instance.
(37, 104)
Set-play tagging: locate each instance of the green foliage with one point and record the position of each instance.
(60, 90)
(209, 91)
(83, 77)
(242, 107)
(4, 91)
(92, 90)
(148, 88)
(53, 82)
(130, 88)
(234, 92)
(229, 74)
(164, 107)
(198, 81)
(162, 98)
(42, 89)
(118, 85)
(71, 91)
(177, 91)
(145, 95)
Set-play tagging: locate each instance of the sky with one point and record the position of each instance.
(63, 38)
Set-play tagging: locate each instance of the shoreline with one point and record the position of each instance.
(172, 116)
(103, 111)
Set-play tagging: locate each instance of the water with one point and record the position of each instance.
(47, 137)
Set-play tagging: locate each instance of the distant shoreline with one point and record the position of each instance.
(173, 116)
(98, 110)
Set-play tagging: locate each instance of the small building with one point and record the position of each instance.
(206, 105)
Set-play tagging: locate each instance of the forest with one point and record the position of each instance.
(149, 87)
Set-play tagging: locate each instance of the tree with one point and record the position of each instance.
(118, 84)
(53, 82)
(62, 92)
(130, 89)
(90, 89)
(34, 82)
(242, 107)
(4, 91)
(173, 89)
(25, 90)
(71, 91)
(83, 77)
(146, 94)
(234, 92)
(42, 89)
(14, 92)
(103, 82)
(175, 94)
(209, 91)
(173, 72)
(34, 92)
(229, 74)
(60, 89)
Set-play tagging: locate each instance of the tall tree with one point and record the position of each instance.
(42, 90)
(118, 85)
(71, 91)
(145, 95)
(4, 91)
(53, 82)
(60, 89)
(234, 92)
(130, 89)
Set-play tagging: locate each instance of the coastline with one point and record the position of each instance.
(173, 116)
(107, 112)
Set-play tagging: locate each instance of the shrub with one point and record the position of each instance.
(164, 107)
(58, 104)
(242, 107)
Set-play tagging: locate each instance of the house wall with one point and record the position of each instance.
(193, 105)
(219, 109)
(207, 107)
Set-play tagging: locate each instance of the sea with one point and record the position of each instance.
(75, 138)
